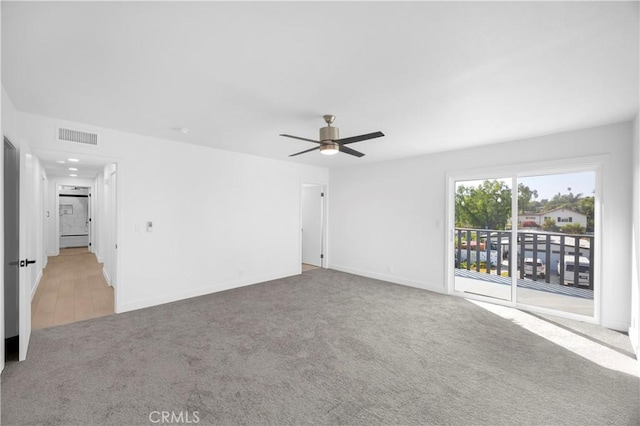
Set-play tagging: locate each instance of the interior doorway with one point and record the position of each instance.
(74, 216)
(312, 226)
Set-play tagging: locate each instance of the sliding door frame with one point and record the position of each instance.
(514, 172)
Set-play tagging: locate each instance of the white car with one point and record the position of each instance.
(541, 270)
(584, 270)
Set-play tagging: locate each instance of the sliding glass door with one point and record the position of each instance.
(482, 238)
(527, 240)
(556, 241)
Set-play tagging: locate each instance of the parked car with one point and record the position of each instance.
(569, 270)
(540, 268)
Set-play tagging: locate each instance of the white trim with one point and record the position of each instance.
(105, 274)
(515, 172)
(391, 278)
(325, 216)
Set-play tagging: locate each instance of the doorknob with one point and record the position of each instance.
(26, 262)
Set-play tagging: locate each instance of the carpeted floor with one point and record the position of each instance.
(320, 348)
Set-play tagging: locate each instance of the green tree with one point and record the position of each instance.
(525, 194)
(586, 206)
(487, 206)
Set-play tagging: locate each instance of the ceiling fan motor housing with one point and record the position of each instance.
(329, 134)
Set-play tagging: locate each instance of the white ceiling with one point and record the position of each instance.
(57, 164)
(432, 76)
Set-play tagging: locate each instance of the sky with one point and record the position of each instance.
(549, 185)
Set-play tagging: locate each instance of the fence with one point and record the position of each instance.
(540, 254)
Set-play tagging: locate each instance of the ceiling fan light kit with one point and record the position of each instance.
(330, 142)
(329, 149)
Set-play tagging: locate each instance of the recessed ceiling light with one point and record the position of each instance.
(60, 161)
(73, 175)
(73, 169)
(73, 160)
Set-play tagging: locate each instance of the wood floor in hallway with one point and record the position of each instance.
(72, 289)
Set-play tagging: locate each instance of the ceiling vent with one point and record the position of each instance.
(77, 136)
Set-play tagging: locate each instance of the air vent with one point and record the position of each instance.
(77, 136)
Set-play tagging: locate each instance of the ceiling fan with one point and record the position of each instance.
(330, 142)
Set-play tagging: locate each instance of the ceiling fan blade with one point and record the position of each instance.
(348, 150)
(297, 137)
(360, 138)
(303, 152)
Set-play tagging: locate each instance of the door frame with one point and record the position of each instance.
(516, 171)
(16, 153)
(323, 220)
(103, 161)
(57, 186)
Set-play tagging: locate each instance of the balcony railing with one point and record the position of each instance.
(553, 257)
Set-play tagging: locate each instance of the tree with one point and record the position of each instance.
(586, 206)
(486, 206)
(524, 197)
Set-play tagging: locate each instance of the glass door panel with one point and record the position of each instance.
(482, 238)
(555, 241)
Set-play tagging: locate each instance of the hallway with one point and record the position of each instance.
(72, 289)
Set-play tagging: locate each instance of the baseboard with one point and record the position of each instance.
(35, 287)
(106, 276)
(390, 278)
(99, 258)
(201, 291)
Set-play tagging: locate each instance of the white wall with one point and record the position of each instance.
(387, 219)
(634, 328)
(220, 219)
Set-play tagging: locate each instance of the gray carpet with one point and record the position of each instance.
(321, 348)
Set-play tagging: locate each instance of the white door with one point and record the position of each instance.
(11, 292)
(113, 226)
(311, 201)
(27, 248)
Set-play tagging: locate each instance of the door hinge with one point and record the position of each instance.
(322, 256)
(322, 194)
